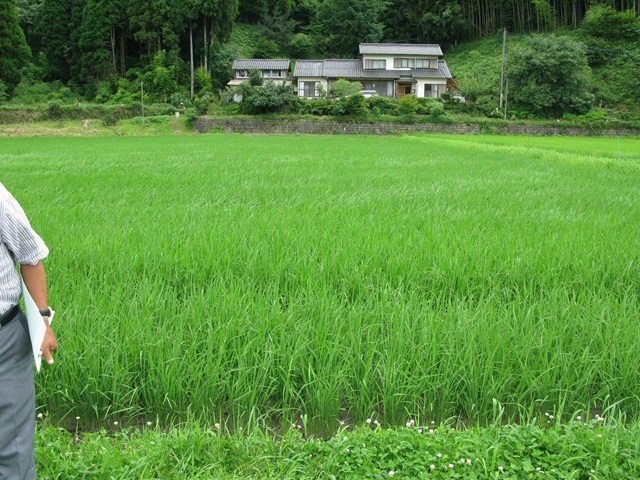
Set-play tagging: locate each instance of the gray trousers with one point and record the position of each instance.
(17, 402)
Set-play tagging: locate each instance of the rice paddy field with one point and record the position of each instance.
(234, 279)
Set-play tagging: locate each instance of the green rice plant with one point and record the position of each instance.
(224, 278)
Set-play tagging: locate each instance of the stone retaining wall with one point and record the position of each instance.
(330, 127)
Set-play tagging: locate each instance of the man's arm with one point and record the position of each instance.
(36, 281)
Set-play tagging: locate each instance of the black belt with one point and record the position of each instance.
(9, 315)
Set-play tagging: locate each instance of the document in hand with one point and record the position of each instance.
(36, 325)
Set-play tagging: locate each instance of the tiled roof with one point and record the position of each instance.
(342, 68)
(400, 49)
(441, 72)
(308, 68)
(261, 64)
(350, 69)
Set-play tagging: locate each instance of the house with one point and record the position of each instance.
(391, 69)
(275, 70)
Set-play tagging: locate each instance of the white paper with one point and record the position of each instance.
(37, 328)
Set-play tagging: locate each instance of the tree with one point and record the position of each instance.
(604, 22)
(60, 28)
(14, 52)
(255, 78)
(344, 88)
(102, 39)
(265, 48)
(549, 76)
(351, 22)
(29, 13)
(270, 98)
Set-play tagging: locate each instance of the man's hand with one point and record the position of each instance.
(49, 344)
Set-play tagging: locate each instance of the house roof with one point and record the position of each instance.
(261, 64)
(352, 69)
(308, 68)
(400, 49)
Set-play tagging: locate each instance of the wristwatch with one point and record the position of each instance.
(46, 312)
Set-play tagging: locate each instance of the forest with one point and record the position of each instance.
(104, 49)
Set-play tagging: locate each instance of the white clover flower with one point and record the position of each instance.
(377, 423)
(77, 418)
(348, 451)
(546, 414)
(538, 469)
(293, 425)
(431, 430)
(501, 468)
(462, 460)
(217, 425)
(40, 415)
(432, 466)
(593, 471)
(392, 473)
(439, 455)
(115, 423)
(579, 417)
(419, 430)
(344, 439)
(551, 417)
(408, 424)
(451, 465)
(368, 420)
(468, 461)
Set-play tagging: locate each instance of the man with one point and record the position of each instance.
(19, 244)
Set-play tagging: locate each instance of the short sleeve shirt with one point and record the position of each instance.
(19, 243)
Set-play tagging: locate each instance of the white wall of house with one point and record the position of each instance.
(438, 87)
(302, 81)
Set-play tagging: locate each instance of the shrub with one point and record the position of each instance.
(344, 88)
(355, 105)
(255, 78)
(382, 105)
(407, 105)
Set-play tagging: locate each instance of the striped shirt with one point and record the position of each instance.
(18, 243)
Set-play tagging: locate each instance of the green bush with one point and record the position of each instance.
(355, 105)
(407, 105)
(382, 105)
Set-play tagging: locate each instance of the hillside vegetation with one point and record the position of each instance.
(564, 59)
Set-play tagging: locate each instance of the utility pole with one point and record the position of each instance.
(505, 99)
(504, 52)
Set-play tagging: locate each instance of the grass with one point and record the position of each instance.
(600, 448)
(226, 278)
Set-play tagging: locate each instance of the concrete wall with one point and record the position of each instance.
(328, 127)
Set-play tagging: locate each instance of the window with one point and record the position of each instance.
(423, 63)
(309, 89)
(242, 74)
(404, 63)
(375, 64)
(380, 87)
(431, 90)
(271, 73)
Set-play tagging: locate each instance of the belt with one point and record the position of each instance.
(9, 315)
